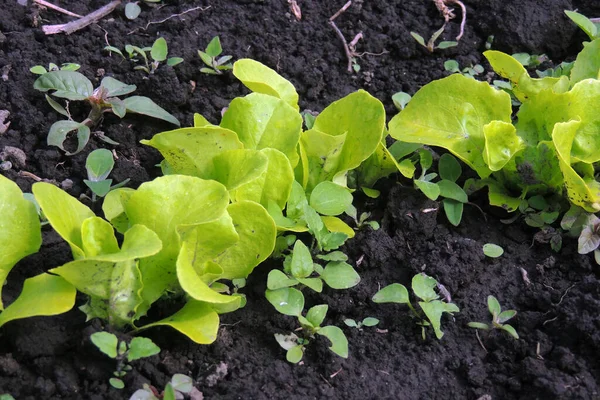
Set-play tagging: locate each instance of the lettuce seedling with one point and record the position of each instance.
(41, 70)
(123, 353)
(99, 164)
(210, 56)
(311, 326)
(179, 386)
(74, 86)
(432, 308)
(368, 321)
(499, 318)
(158, 53)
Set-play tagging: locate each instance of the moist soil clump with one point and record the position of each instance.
(557, 295)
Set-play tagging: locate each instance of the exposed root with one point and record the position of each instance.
(349, 48)
(448, 13)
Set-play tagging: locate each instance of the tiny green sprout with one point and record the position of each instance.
(99, 165)
(109, 344)
(492, 250)
(210, 56)
(362, 220)
(311, 326)
(41, 70)
(469, 72)
(430, 45)
(489, 42)
(368, 321)
(6, 396)
(530, 60)
(432, 308)
(133, 10)
(499, 318)
(178, 387)
(157, 53)
(400, 100)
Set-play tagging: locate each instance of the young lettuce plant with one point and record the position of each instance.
(73, 86)
(215, 65)
(432, 308)
(311, 326)
(99, 164)
(499, 319)
(123, 353)
(551, 149)
(180, 236)
(158, 53)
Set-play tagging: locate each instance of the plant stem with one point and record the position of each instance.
(44, 3)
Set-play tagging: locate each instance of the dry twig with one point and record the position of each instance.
(349, 49)
(81, 23)
(44, 3)
(448, 13)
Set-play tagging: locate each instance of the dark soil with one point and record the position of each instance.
(557, 295)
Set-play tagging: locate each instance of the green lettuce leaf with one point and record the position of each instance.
(262, 79)
(20, 231)
(65, 213)
(344, 135)
(452, 113)
(42, 295)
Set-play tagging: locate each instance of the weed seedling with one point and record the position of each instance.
(41, 70)
(106, 98)
(369, 321)
(430, 45)
(432, 308)
(99, 165)
(139, 347)
(158, 53)
(311, 326)
(454, 197)
(499, 318)
(179, 386)
(469, 72)
(210, 56)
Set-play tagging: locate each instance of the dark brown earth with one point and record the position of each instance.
(557, 356)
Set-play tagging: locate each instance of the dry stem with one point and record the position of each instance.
(349, 49)
(448, 13)
(44, 3)
(81, 23)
